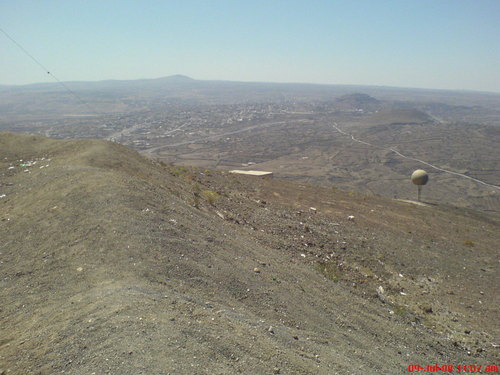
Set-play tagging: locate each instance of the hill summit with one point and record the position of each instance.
(176, 78)
(358, 101)
(358, 98)
(114, 263)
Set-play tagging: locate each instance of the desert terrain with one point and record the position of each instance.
(127, 247)
(114, 263)
(360, 138)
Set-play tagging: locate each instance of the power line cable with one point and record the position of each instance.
(49, 73)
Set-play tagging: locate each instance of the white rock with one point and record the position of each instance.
(381, 294)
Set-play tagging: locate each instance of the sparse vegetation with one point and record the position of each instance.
(178, 171)
(400, 310)
(196, 195)
(111, 243)
(329, 270)
(210, 196)
(162, 163)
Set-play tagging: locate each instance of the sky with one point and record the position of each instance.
(439, 44)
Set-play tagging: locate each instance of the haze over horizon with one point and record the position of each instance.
(420, 44)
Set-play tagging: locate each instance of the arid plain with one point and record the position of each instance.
(359, 138)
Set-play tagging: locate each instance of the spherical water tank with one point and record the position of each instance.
(419, 177)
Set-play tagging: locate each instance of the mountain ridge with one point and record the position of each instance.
(181, 78)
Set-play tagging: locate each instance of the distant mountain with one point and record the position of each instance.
(105, 84)
(109, 94)
(176, 78)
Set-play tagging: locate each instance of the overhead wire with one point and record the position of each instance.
(50, 74)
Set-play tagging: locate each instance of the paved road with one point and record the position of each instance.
(265, 125)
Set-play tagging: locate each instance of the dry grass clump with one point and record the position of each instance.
(210, 196)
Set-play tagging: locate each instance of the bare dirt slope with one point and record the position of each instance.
(112, 263)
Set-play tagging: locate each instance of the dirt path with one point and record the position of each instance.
(335, 126)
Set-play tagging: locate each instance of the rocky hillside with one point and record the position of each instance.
(115, 264)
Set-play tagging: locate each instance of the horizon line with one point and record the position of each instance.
(183, 76)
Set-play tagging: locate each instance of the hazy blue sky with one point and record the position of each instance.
(449, 44)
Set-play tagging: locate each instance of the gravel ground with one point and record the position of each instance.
(112, 263)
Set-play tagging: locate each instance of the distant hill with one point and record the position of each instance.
(176, 78)
(114, 263)
(358, 98)
(107, 96)
(358, 101)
